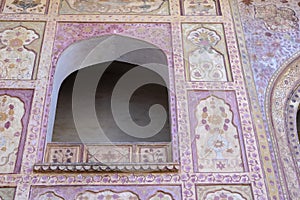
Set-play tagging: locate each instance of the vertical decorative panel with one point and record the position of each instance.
(11, 113)
(20, 49)
(16, 61)
(216, 135)
(205, 52)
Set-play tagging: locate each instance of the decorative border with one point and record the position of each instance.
(292, 108)
(274, 189)
(280, 88)
(99, 167)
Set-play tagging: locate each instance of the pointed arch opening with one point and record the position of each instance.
(110, 104)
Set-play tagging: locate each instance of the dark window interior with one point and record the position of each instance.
(140, 102)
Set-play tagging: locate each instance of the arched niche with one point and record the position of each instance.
(104, 51)
(282, 102)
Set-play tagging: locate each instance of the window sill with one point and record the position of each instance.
(112, 167)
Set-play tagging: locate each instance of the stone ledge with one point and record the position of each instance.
(100, 167)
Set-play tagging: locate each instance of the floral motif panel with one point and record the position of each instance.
(122, 192)
(104, 153)
(201, 7)
(224, 192)
(161, 196)
(20, 47)
(50, 195)
(11, 113)
(25, 6)
(115, 7)
(16, 61)
(215, 131)
(66, 153)
(205, 52)
(109, 153)
(154, 154)
(106, 194)
(7, 193)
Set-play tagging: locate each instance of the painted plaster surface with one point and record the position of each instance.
(205, 52)
(201, 7)
(270, 44)
(20, 48)
(270, 36)
(18, 61)
(102, 192)
(25, 6)
(7, 193)
(215, 132)
(225, 192)
(13, 120)
(284, 95)
(11, 113)
(114, 7)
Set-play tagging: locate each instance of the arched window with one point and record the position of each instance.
(110, 104)
(140, 102)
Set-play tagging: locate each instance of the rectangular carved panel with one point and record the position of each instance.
(63, 153)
